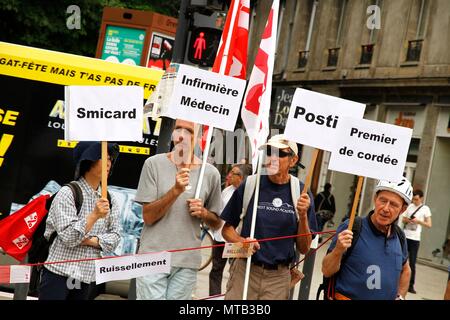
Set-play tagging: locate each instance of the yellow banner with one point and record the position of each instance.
(134, 150)
(69, 69)
(122, 148)
(67, 144)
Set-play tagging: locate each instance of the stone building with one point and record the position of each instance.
(393, 56)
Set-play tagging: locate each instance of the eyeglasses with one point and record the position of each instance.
(278, 152)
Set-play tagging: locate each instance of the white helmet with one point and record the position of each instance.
(403, 188)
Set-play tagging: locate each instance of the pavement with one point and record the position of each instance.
(430, 283)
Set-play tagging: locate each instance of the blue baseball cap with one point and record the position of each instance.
(92, 151)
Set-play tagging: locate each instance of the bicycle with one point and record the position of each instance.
(207, 240)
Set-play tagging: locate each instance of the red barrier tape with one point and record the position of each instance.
(175, 250)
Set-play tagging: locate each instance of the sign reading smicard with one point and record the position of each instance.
(206, 97)
(103, 113)
(371, 149)
(313, 118)
(128, 267)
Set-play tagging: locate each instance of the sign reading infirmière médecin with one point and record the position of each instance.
(206, 97)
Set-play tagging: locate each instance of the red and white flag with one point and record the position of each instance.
(16, 230)
(235, 53)
(256, 105)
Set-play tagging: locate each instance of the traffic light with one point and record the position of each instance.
(203, 46)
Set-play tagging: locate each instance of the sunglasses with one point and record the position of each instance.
(277, 152)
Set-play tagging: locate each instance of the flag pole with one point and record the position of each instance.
(104, 169)
(252, 229)
(355, 202)
(223, 64)
(267, 48)
(310, 171)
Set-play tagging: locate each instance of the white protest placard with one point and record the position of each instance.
(103, 113)
(370, 149)
(237, 250)
(20, 274)
(206, 97)
(128, 267)
(313, 118)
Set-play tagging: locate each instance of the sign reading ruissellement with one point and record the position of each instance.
(128, 267)
(104, 113)
(206, 97)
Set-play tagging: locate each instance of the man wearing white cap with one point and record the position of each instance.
(282, 211)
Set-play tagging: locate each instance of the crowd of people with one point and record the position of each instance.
(373, 259)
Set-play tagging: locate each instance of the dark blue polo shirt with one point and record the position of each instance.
(275, 218)
(372, 271)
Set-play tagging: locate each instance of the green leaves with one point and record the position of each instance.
(42, 24)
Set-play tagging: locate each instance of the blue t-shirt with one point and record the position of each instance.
(275, 218)
(372, 271)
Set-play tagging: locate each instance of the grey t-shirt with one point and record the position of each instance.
(177, 229)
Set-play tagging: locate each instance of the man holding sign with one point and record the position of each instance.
(370, 262)
(279, 213)
(172, 216)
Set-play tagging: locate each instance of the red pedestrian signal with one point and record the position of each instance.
(199, 46)
(203, 46)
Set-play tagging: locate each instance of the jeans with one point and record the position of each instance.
(177, 285)
(413, 248)
(56, 287)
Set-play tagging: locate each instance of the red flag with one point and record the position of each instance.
(236, 55)
(17, 229)
(255, 111)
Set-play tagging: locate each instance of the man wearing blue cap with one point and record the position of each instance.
(80, 235)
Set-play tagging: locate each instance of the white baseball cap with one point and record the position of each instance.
(281, 142)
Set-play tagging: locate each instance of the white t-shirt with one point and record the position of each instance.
(413, 231)
(226, 196)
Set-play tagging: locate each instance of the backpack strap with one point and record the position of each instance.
(249, 190)
(356, 229)
(400, 234)
(295, 193)
(77, 195)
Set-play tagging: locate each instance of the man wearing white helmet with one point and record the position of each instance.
(375, 266)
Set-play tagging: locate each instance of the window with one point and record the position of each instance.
(303, 55)
(414, 49)
(413, 151)
(302, 59)
(341, 22)
(366, 54)
(421, 21)
(415, 46)
(333, 55)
